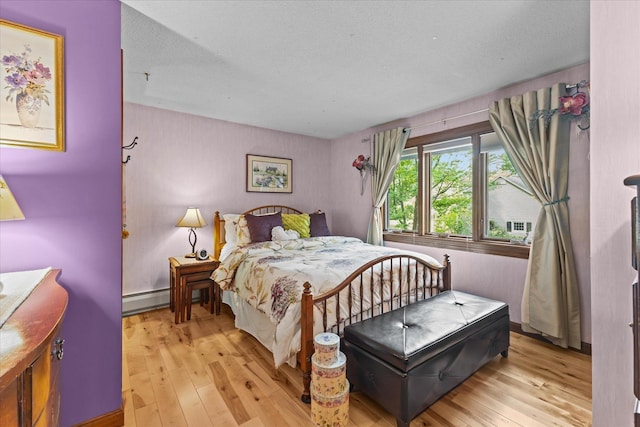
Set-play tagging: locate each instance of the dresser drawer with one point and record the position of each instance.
(9, 404)
(40, 388)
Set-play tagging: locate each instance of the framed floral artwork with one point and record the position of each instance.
(268, 174)
(32, 89)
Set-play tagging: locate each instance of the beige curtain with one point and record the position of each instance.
(387, 151)
(540, 153)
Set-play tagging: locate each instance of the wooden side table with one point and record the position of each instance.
(183, 270)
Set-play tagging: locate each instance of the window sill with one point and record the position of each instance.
(460, 244)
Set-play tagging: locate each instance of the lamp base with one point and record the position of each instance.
(190, 255)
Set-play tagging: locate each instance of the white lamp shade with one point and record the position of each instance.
(9, 209)
(192, 219)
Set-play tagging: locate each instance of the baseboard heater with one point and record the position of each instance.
(144, 301)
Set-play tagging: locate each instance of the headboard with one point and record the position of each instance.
(218, 223)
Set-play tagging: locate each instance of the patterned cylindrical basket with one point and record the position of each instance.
(329, 380)
(330, 411)
(326, 346)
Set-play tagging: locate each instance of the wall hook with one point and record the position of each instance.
(129, 147)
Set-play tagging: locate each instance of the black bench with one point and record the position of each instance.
(408, 358)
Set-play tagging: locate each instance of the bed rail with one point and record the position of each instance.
(401, 280)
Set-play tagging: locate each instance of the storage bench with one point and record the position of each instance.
(408, 358)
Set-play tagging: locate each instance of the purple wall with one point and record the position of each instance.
(71, 201)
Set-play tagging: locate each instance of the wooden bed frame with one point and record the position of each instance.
(422, 289)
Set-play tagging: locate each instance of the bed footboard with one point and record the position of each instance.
(401, 280)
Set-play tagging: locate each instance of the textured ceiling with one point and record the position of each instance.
(329, 68)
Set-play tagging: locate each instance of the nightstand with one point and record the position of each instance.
(183, 270)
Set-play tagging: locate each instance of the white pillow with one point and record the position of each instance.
(279, 233)
(230, 228)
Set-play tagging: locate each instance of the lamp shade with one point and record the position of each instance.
(192, 219)
(9, 209)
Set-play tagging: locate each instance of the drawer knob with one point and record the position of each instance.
(58, 351)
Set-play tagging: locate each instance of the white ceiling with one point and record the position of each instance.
(329, 68)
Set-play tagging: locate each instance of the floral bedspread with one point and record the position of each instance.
(270, 277)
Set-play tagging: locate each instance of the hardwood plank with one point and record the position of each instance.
(262, 379)
(215, 406)
(148, 416)
(125, 369)
(214, 374)
(129, 412)
(141, 390)
(254, 400)
(295, 412)
(255, 422)
(476, 418)
(190, 402)
(229, 395)
(522, 399)
(474, 394)
(135, 359)
(365, 412)
(169, 406)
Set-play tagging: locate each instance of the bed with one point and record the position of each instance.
(284, 292)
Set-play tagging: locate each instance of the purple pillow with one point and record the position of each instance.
(260, 226)
(319, 225)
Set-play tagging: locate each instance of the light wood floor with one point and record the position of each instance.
(205, 372)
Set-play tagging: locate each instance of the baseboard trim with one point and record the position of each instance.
(110, 419)
(517, 328)
(144, 301)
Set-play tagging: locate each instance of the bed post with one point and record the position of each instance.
(217, 246)
(306, 341)
(447, 273)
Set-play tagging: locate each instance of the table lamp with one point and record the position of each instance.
(9, 208)
(192, 219)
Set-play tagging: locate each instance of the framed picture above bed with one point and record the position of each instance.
(269, 174)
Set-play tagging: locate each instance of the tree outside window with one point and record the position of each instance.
(469, 187)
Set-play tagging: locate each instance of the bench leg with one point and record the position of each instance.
(505, 353)
(401, 423)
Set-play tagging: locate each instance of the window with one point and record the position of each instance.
(458, 189)
(402, 202)
(450, 187)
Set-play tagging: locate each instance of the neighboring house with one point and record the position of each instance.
(512, 207)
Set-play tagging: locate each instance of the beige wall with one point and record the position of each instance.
(489, 275)
(615, 154)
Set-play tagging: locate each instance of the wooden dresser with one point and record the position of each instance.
(29, 380)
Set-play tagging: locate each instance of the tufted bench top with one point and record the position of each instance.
(410, 335)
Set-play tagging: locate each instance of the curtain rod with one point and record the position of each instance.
(581, 83)
(578, 85)
(448, 118)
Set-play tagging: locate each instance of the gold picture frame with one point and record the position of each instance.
(32, 88)
(269, 174)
